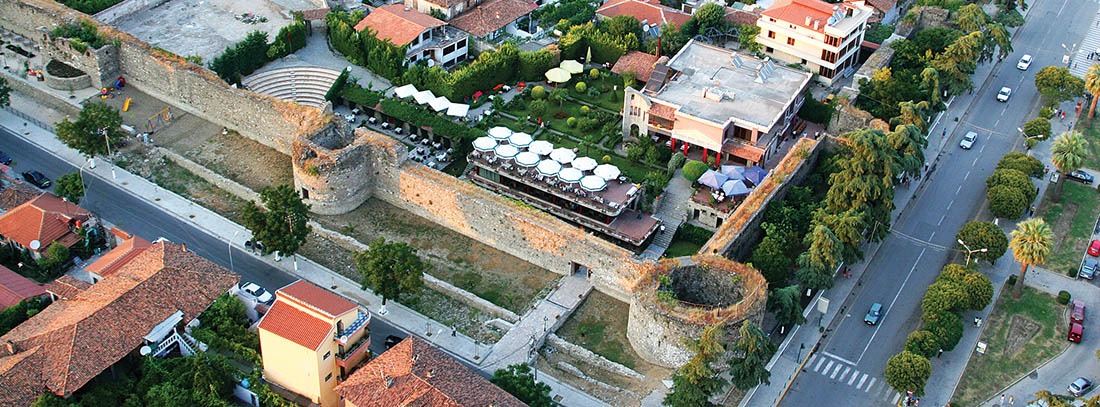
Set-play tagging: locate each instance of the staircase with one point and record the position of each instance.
(671, 212)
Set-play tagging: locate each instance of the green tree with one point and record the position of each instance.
(977, 290)
(1031, 244)
(1022, 162)
(922, 343)
(1068, 151)
(225, 325)
(1092, 85)
(909, 142)
(518, 381)
(697, 380)
(847, 227)
(746, 35)
(822, 256)
(693, 169)
(625, 27)
(538, 108)
(5, 93)
(750, 368)
(865, 181)
(970, 18)
(942, 295)
(49, 399)
(390, 269)
(958, 61)
(68, 186)
(1056, 84)
(945, 325)
(581, 87)
(538, 92)
(437, 14)
(89, 134)
(1014, 179)
(786, 304)
(1006, 202)
(559, 95)
(984, 235)
(771, 259)
(54, 259)
(282, 224)
(1048, 399)
(908, 371)
(1036, 129)
(708, 16)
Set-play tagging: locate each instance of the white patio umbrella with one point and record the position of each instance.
(484, 144)
(439, 104)
(571, 66)
(527, 159)
(500, 133)
(519, 139)
(458, 109)
(548, 167)
(558, 75)
(585, 164)
(607, 171)
(570, 175)
(506, 151)
(405, 91)
(423, 97)
(540, 147)
(563, 155)
(593, 183)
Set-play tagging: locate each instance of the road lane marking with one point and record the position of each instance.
(835, 371)
(941, 219)
(827, 367)
(811, 360)
(861, 380)
(891, 306)
(869, 385)
(819, 362)
(845, 374)
(838, 358)
(960, 188)
(854, 377)
(897, 396)
(975, 162)
(966, 176)
(949, 205)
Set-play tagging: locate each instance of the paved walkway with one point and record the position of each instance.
(317, 52)
(459, 346)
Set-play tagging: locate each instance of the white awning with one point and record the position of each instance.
(161, 330)
(439, 104)
(424, 96)
(405, 91)
(458, 109)
(696, 137)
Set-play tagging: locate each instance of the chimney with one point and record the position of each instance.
(817, 23)
(808, 18)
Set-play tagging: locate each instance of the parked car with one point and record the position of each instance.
(1080, 387)
(1075, 332)
(1094, 248)
(1025, 62)
(5, 158)
(37, 179)
(968, 140)
(1077, 311)
(873, 314)
(255, 291)
(1081, 176)
(1089, 268)
(392, 340)
(1004, 94)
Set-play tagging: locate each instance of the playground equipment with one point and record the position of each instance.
(126, 105)
(159, 119)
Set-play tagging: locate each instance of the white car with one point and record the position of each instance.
(255, 291)
(1025, 62)
(1004, 94)
(350, 118)
(968, 140)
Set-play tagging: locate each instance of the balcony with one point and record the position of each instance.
(351, 332)
(355, 354)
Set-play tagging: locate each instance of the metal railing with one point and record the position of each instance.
(31, 119)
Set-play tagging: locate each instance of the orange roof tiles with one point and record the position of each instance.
(492, 15)
(651, 11)
(298, 326)
(74, 340)
(641, 63)
(67, 287)
(796, 11)
(319, 299)
(741, 17)
(396, 23)
(663, 111)
(15, 288)
(46, 219)
(413, 373)
(111, 261)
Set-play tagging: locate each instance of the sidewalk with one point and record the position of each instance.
(459, 346)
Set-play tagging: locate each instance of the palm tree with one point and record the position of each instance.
(1068, 151)
(1092, 84)
(1031, 243)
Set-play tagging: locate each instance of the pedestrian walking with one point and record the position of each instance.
(1002, 399)
(975, 321)
(979, 322)
(454, 330)
(1011, 400)
(940, 353)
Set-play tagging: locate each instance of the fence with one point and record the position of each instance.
(28, 118)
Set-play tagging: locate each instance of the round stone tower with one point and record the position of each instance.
(331, 170)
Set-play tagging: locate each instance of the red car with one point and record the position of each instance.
(1094, 248)
(1077, 312)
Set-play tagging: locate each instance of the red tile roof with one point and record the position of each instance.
(111, 261)
(74, 340)
(15, 288)
(651, 11)
(492, 15)
(413, 373)
(315, 14)
(796, 11)
(67, 287)
(882, 6)
(741, 17)
(16, 194)
(396, 23)
(46, 219)
(639, 62)
(298, 326)
(663, 111)
(316, 298)
(751, 153)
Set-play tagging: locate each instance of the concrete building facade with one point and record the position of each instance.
(428, 39)
(823, 37)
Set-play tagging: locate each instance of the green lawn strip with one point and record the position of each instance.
(682, 248)
(1083, 203)
(1092, 135)
(987, 374)
(599, 325)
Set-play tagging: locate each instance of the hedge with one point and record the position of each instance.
(362, 97)
(337, 87)
(290, 38)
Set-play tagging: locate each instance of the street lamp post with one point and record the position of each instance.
(229, 246)
(1069, 54)
(970, 252)
(108, 140)
(83, 186)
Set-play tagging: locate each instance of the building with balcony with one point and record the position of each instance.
(490, 21)
(312, 339)
(823, 37)
(38, 223)
(428, 38)
(414, 373)
(729, 107)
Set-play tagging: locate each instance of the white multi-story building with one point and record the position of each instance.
(429, 39)
(823, 37)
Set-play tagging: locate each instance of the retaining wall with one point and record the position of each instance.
(212, 177)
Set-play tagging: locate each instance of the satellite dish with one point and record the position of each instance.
(145, 350)
(35, 244)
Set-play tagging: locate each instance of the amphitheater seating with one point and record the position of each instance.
(304, 85)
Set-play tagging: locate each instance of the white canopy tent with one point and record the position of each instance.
(440, 104)
(423, 97)
(405, 91)
(458, 109)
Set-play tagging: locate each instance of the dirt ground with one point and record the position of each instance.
(491, 274)
(143, 162)
(231, 155)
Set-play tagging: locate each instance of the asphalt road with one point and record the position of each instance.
(136, 215)
(850, 369)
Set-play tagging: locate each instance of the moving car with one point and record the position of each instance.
(1025, 62)
(1077, 312)
(1094, 248)
(1081, 176)
(1088, 268)
(1080, 387)
(1004, 94)
(4, 158)
(1075, 332)
(968, 140)
(255, 291)
(37, 179)
(874, 314)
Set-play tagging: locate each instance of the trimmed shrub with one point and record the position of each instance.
(923, 343)
(1006, 202)
(945, 325)
(594, 74)
(571, 122)
(694, 169)
(581, 87)
(538, 92)
(1063, 297)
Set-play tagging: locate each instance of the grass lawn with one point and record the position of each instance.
(1092, 135)
(682, 248)
(606, 85)
(1072, 220)
(1021, 335)
(599, 325)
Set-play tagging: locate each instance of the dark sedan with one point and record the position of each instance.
(37, 179)
(1081, 176)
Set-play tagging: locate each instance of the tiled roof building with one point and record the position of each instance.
(638, 62)
(426, 37)
(45, 219)
(107, 264)
(413, 373)
(491, 18)
(15, 288)
(647, 11)
(72, 341)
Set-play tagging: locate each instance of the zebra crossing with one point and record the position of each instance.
(1087, 48)
(843, 372)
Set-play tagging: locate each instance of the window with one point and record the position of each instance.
(790, 41)
(462, 43)
(831, 40)
(327, 355)
(772, 19)
(425, 35)
(803, 62)
(769, 50)
(449, 49)
(771, 34)
(826, 72)
(328, 377)
(828, 56)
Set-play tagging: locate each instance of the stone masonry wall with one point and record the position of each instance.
(332, 168)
